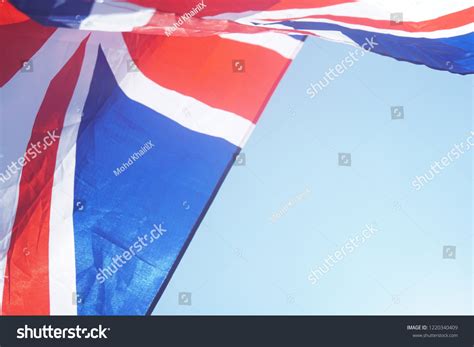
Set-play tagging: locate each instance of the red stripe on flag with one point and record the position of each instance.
(306, 4)
(19, 42)
(26, 290)
(215, 7)
(222, 73)
(212, 7)
(160, 22)
(9, 14)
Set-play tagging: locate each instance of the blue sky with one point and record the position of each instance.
(243, 261)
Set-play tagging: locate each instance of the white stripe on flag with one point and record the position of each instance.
(412, 11)
(62, 257)
(282, 44)
(107, 15)
(185, 110)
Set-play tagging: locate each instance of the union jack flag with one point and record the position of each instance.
(120, 120)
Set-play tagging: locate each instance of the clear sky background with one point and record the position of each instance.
(242, 261)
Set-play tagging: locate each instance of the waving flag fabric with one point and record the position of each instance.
(127, 141)
(120, 119)
(435, 33)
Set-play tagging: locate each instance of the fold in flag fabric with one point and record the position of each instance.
(120, 120)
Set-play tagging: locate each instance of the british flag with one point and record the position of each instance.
(120, 120)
